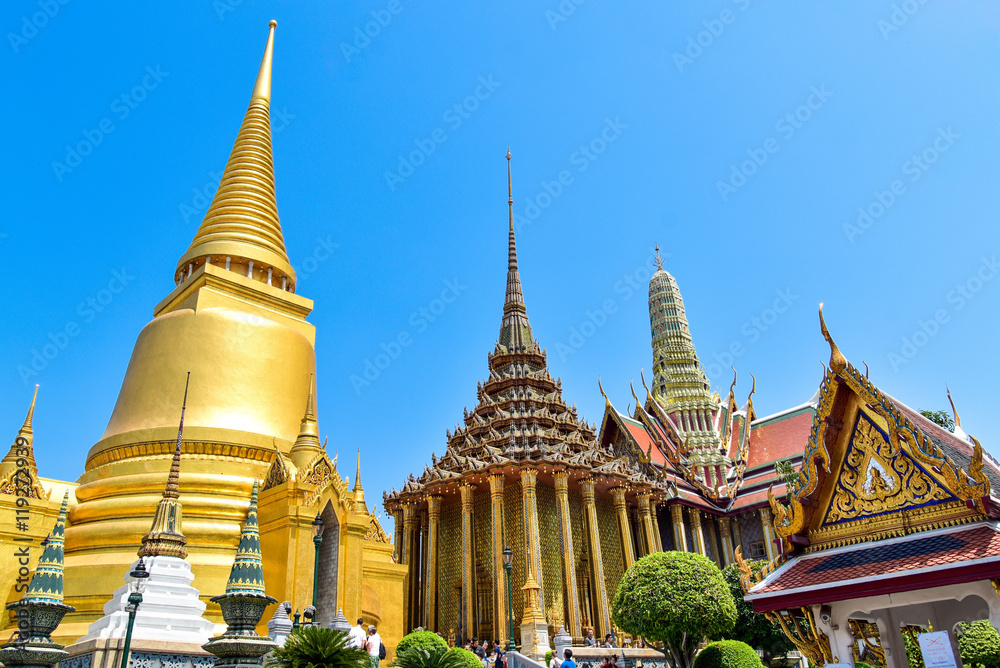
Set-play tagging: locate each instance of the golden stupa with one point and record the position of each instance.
(235, 323)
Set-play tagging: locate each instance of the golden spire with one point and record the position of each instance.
(515, 330)
(357, 475)
(659, 260)
(359, 493)
(241, 230)
(837, 360)
(22, 448)
(307, 442)
(165, 537)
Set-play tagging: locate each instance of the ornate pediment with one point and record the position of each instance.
(878, 477)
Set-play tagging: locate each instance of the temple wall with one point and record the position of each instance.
(449, 569)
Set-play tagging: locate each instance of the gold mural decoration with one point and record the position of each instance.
(277, 472)
(375, 531)
(867, 645)
(878, 477)
(322, 472)
(800, 627)
(747, 579)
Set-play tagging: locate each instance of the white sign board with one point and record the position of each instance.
(837, 665)
(936, 650)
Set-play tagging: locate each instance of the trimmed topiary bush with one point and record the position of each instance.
(422, 639)
(677, 598)
(728, 654)
(463, 657)
(979, 644)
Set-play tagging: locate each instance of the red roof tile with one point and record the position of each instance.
(780, 438)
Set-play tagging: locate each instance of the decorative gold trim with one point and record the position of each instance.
(800, 627)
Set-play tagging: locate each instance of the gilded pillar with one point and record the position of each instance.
(431, 583)
(726, 538)
(599, 594)
(697, 537)
(647, 522)
(572, 600)
(710, 538)
(497, 481)
(624, 528)
(767, 523)
(397, 534)
(409, 529)
(422, 585)
(680, 536)
(529, 477)
(656, 526)
(468, 562)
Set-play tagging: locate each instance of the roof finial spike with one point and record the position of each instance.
(515, 331)
(958, 420)
(262, 88)
(357, 474)
(659, 260)
(173, 487)
(31, 412)
(837, 360)
(310, 413)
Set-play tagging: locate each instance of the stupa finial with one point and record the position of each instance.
(47, 583)
(659, 260)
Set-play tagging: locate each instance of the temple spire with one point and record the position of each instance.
(23, 446)
(47, 582)
(359, 492)
(241, 230)
(307, 444)
(165, 537)
(515, 331)
(247, 574)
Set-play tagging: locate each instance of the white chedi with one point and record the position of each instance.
(170, 610)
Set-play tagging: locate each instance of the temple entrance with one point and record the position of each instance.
(329, 562)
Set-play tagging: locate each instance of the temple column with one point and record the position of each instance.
(500, 628)
(624, 530)
(468, 562)
(680, 536)
(431, 584)
(572, 600)
(422, 586)
(635, 526)
(697, 538)
(767, 524)
(397, 534)
(534, 626)
(409, 586)
(656, 526)
(726, 538)
(599, 595)
(647, 522)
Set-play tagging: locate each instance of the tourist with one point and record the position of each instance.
(356, 638)
(374, 646)
(590, 640)
(609, 641)
(568, 661)
(555, 662)
(499, 657)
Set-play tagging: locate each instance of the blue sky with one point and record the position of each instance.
(742, 137)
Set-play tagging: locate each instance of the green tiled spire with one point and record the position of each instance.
(47, 582)
(247, 576)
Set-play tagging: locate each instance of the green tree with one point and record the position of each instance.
(312, 646)
(940, 418)
(728, 654)
(677, 598)
(979, 644)
(752, 627)
(423, 639)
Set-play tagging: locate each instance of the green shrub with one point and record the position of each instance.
(752, 627)
(677, 598)
(436, 657)
(467, 658)
(311, 646)
(548, 657)
(862, 664)
(979, 644)
(422, 639)
(728, 654)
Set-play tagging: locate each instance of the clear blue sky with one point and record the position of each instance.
(683, 94)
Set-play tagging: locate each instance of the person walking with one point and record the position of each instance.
(357, 636)
(374, 646)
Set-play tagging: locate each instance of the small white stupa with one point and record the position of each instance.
(171, 609)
